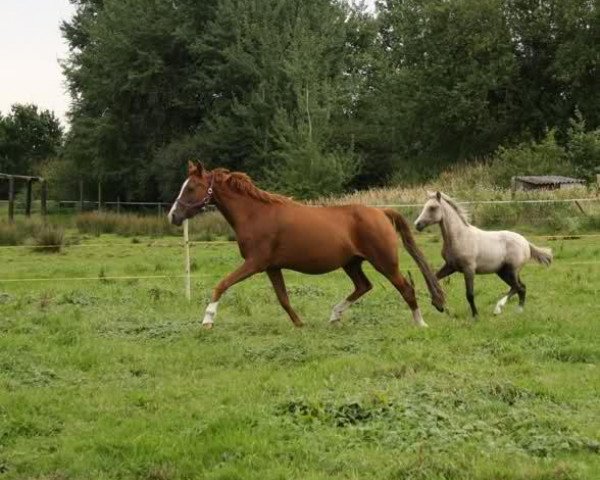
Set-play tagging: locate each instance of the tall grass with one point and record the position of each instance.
(42, 236)
(208, 226)
(49, 239)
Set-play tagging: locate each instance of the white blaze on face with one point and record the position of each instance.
(170, 215)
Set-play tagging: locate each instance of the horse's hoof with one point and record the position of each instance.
(497, 311)
(520, 309)
(335, 323)
(207, 326)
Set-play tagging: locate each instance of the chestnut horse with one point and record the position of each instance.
(275, 233)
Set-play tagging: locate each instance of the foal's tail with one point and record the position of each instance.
(403, 228)
(541, 255)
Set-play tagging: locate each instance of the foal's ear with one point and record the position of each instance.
(195, 169)
(438, 195)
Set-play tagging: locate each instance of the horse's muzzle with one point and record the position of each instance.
(175, 219)
(420, 226)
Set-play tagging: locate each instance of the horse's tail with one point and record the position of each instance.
(541, 255)
(403, 228)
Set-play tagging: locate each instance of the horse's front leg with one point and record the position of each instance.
(445, 271)
(244, 271)
(470, 286)
(278, 283)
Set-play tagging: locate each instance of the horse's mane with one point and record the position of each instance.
(242, 183)
(462, 212)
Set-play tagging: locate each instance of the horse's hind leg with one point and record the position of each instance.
(361, 286)
(507, 274)
(279, 286)
(408, 294)
(522, 294)
(470, 286)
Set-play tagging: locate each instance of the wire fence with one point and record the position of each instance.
(187, 244)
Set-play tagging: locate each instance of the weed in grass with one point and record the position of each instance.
(78, 297)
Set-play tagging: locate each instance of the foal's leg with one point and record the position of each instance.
(408, 294)
(445, 271)
(361, 286)
(507, 274)
(522, 293)
(247, 269)
(279, 286)
(470, 286)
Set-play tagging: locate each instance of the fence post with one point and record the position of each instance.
(28, 199)
(99, 196)
(81, 194)
(186, 241)
(44, 198)
(513, 187)
(11, 199)
(118, 204)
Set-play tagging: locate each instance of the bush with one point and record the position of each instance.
(10, 234)
(18, 232)
(584, 149)
(546, 157)
(43, 237)
(49, 239)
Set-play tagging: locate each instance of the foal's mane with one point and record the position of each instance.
(462, 212)
(242, 183)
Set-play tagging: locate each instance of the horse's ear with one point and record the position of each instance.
(195, 169)
(430, 194)
(438, 195)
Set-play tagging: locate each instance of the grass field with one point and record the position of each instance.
(113, 378)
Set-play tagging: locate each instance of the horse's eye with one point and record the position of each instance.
(432, 208)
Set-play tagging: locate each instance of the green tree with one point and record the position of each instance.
(584, 149)
(442, 88)
(226, 82)
(28, 137)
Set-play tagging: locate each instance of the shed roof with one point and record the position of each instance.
(549, 180)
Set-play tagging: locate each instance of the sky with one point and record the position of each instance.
(31, 46)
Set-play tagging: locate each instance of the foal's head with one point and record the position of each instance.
(432, 212)
(195, 194)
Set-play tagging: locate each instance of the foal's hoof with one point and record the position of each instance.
(439, 308)
(207, 326)
(497, 311)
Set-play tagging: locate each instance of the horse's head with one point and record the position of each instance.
(195, 194)
(432, 211)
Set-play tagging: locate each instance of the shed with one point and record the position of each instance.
(546, 182)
